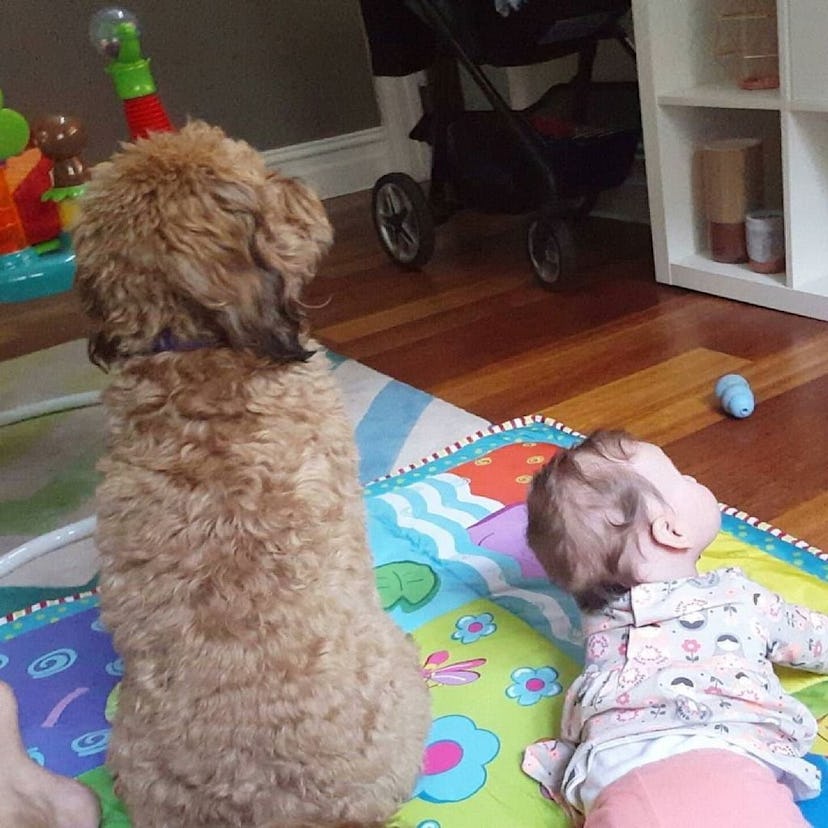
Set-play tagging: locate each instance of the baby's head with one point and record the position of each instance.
(614, 512)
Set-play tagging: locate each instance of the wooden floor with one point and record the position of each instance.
(476, 330)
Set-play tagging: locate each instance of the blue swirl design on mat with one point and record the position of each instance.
(92, 743)
(52, 663)
(116, 668)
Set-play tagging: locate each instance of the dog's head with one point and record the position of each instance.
(188, 235)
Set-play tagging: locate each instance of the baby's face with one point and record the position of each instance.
(692, 502)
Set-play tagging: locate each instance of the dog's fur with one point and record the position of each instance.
(264, 685)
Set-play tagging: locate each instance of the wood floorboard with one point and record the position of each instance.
(632, 343)
(773, 465)
(503, 330)
(661, 403)
(475, 329)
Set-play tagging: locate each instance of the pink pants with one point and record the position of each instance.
(697, 789)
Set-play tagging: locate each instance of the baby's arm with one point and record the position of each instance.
(546, 762)
(797, 636)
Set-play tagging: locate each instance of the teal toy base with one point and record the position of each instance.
(29, 275)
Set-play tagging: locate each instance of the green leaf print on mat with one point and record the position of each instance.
(113, 814)
(406, 584)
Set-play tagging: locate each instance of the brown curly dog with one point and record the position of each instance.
(264, 685)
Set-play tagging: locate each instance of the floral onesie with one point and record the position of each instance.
(687, 662)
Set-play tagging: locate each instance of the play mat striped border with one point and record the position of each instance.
(19, 616)
(509, 425)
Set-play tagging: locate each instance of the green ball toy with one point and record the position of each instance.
(14, 132)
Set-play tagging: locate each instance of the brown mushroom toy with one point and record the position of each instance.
(62, 139)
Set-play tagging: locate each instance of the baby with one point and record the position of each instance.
(31, 796)
(678, 718)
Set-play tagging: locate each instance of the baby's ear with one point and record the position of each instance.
(668, 532)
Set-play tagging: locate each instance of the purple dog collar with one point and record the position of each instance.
(168, 341)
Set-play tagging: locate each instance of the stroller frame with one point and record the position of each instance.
(405, 218)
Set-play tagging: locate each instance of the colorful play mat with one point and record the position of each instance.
(499, 643)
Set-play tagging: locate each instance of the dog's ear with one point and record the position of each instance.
(124, 297)
(296, 232)
(101, 347)
(244, 305)
(292, 233)
(249, 274)
(102, 350)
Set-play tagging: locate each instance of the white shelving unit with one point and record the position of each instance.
(687, 98)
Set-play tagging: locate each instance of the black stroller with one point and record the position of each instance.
(552, 159)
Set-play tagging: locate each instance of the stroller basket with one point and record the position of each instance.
(490, 171)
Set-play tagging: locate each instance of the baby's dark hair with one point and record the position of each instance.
(586, 507)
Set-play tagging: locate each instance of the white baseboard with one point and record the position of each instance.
(338, 165)
(352, 162)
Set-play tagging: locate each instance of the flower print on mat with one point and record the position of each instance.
(471, 628)
(530, 685)
(454, 765)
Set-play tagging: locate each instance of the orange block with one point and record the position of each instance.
(19, 166)
(12, 237)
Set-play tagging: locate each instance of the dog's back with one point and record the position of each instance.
(264, 684)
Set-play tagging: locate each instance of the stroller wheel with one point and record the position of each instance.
(403, 220)
(552, 252)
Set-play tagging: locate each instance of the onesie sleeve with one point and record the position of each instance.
(797, 636)
(546, 762)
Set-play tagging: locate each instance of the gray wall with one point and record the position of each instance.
(275, 72)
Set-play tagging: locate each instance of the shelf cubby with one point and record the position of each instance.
(685, 131)
(688, 98)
